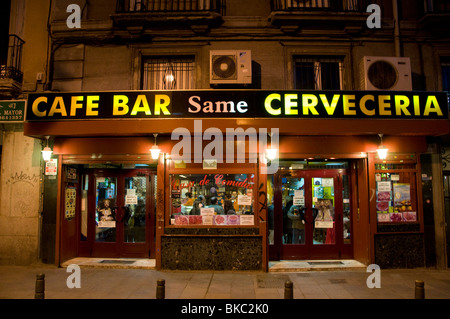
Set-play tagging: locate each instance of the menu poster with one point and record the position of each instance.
(70, 202)
(247, 220)
(383, 197)
(244, 200)
(298, 201)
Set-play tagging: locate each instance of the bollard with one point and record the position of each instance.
(39, 292)
(420, 289)
(288, 290)
(161, 289)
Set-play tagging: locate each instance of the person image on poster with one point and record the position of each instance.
(104, 211)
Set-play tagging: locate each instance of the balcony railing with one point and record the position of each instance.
(10, 66)
(437, 6)
(131, 6)
(321, 5)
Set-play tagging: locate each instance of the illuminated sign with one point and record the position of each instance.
(237, 104)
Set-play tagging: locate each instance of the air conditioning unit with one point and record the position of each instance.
(230, 67)
(385, 73)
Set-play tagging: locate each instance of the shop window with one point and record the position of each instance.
(396, 193)
(212, 199)
(318, 73)
(168, 73)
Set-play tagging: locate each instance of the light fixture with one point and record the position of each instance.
(155, 149)
(169, 77)
(382, 150)
(47, 151)
(271, 152)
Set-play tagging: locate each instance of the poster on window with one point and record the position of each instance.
(106, 215)
(383, 203)
(402, 197)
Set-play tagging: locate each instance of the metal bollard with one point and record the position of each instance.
(420, 289)
(288, 290)
(161, 289)
(39, 291)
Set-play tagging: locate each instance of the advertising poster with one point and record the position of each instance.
(70, 202)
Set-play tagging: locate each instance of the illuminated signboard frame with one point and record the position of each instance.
(237, 104)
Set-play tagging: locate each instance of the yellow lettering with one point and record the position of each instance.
(141, 99)
(35, 106)
(362, 105)
(330, 109)
(416, 105)
(74, 105)
(58, 107)
(268, 104)
(349, 104)
(162, 101)
(384, 106)
(429, 109)
(309, 103)
(120, 105)
(401, 105)
(92, 103)
(290, 104)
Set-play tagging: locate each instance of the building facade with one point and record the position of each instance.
(214, 85)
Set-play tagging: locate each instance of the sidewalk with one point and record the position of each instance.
(18, 282)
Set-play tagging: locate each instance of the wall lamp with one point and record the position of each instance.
(271, 152)
(155, 149)
(382, 150)
(47, 151)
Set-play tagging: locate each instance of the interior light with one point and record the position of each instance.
(155, 151)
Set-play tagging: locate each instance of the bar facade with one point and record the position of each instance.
(268, 117)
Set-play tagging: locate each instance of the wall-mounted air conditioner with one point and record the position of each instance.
(230, 67)
(385, 73)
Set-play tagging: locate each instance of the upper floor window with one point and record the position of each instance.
(311, 73)
(445, 66)
(169, 73)
(437, 6)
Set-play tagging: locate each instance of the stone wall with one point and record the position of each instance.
(241, 249)
(19, 197)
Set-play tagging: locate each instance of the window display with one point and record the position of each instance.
(212, 199)
(395, 193)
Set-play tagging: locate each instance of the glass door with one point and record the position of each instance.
(122, 214)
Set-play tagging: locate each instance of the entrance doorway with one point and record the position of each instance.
(310, 212)
(120, 216)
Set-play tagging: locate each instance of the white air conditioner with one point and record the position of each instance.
(385, 73)
(308, 4)
(230, 67)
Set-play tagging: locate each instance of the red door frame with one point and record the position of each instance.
(280, 251)
(120, 248)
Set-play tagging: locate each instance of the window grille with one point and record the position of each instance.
(168, 73)
(318, 73)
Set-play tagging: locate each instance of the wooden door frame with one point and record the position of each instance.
(279, 251)
(119, 248)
